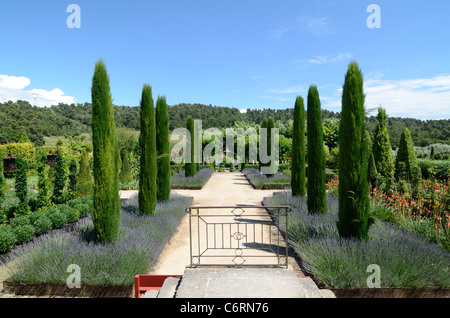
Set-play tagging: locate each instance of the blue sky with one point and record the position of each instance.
(236, 53)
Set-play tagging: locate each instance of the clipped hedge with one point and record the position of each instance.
(441, 168)
(7, 238)
(22, 228)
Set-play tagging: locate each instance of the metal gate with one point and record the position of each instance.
(238, 235)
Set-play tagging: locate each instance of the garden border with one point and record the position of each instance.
(271, 186)
(62, 290)
(384, 292)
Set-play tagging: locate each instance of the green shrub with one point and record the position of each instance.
(24, 233)
(71, 214)
(42, 224)
(19, 220)
(57, 218)
(83, 209)
(125, 174)
(84, 179)
(7, 238)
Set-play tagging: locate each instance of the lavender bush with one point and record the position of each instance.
(405, 258)
(278, 180)
(197, 181)
(141, 240)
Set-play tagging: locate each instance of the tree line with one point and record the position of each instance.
(59, 120)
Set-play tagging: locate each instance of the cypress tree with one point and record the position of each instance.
(353, 155)
(407, 155)
(73, 176)
(316, 188)
(60, 179)
(371, 169)
(84, 180)
(163, 148)
(190, 167)
(21, 185)
(298, 171)
(382, 149)
(2, 181)
(125, 174)
(147, 142)
(270, 140)
(263, 126)
(106, 209)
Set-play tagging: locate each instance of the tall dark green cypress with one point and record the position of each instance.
(407, 155)
(163, 148)
(270, 141)
(21, 185)
(298, 171)
(190, 168)
(382, 150)
(263, 126)
(353, 159)
(372, 168)
(316, 188)
(60, 180)
(106, 208)
(147, 141)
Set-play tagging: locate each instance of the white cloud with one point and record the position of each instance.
(13, 88)
(330, 59)
(425, 98)
(319, 26)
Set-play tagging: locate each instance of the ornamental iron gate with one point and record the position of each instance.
(238, 235)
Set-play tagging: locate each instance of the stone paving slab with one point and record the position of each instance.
(245, 283)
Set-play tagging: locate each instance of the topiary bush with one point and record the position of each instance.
(71, 214)
(7, 238)
(41, 222)
(57, 218)
(83, 209)
(24, 233)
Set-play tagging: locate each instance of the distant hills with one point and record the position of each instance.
(39, 122)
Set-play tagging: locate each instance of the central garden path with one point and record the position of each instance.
(225, 189)
(222, 189)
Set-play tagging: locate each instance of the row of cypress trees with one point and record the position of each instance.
(315, 186)
(154, 177)
(354, 154)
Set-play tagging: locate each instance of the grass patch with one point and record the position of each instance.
(141, 240)
(406, 259)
